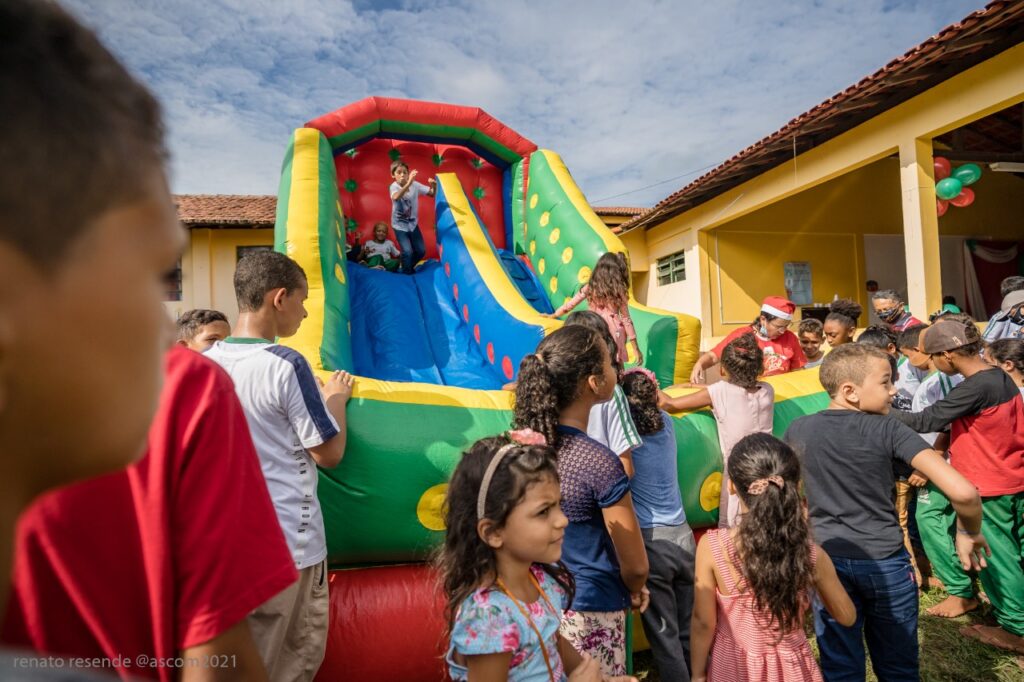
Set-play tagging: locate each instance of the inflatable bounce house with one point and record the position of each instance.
(509, 236)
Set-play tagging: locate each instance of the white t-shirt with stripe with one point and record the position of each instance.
(611, 424)
(286, 414)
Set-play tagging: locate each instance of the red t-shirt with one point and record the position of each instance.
(162, 556)
(781, 355)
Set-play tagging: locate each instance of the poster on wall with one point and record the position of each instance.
(797, 278)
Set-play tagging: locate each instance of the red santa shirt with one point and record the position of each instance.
(781, 355)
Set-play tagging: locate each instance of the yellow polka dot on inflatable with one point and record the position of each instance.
(533, 201)
(554, 284)
(533, 247)
(584, 275)
(544, 218)
(710, 490)
(429, 508)
(337, 228)
(339, 273)
(540, 266)
(567, 254)
(341, 254)
(555, 234)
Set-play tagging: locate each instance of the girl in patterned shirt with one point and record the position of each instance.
(559, 384)
(506, 587)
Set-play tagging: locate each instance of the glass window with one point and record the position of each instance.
(672, 268)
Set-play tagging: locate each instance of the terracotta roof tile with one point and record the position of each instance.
(979, 36)
(226, 209)
(259, 210)
(618, 210)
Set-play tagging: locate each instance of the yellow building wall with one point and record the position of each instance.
(208, 268)
(747, 266)
(851, 185)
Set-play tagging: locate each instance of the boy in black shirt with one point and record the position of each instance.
(847, 452)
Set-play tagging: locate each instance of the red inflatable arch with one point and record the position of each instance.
(430, 138)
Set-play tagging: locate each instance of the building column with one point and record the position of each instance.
(920, 228)
(201, 272)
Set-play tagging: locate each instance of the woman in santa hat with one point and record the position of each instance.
(781, 348)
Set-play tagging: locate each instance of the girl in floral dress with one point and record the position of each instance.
(753, 581)
(505, 585)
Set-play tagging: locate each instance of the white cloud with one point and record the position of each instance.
(628, 93)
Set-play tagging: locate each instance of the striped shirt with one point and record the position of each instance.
(286, 414)
(611, 424)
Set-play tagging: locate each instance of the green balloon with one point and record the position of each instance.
(948, 188)
(968, 173)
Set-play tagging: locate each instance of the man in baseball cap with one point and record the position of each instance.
(1009, 319)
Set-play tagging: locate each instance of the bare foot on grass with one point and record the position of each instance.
(995, 636)
(953, 606)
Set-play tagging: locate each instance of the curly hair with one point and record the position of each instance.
(642, 398)
(743, 359)
(845, 312)
(465, 562)
(609, 283)
(551, 378)
(588, 318)
(774, 541)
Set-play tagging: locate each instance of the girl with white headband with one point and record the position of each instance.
(505, 584)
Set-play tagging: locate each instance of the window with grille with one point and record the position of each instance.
(672, 268)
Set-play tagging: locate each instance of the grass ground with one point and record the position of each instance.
(945, 654)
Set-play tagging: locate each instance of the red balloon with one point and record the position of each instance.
(964, 199)
(942, 167)
(941, 206)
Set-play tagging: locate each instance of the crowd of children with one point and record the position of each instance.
(199, 532)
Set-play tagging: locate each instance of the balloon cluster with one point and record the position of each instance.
(951, 185)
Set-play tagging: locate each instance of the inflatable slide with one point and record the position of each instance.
(509, 236)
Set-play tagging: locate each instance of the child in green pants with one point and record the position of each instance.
(986, 413)
(936, 521)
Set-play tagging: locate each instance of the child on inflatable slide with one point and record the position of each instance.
(380, 253)
(404, 193)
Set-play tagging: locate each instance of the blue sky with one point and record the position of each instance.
(629, 93)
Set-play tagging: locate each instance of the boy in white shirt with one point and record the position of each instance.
(297, 423)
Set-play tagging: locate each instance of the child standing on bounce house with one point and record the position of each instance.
(504, 580)
(607, 294)
(404, 194)
(558, 385)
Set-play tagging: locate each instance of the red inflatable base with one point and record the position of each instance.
(386, 623)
